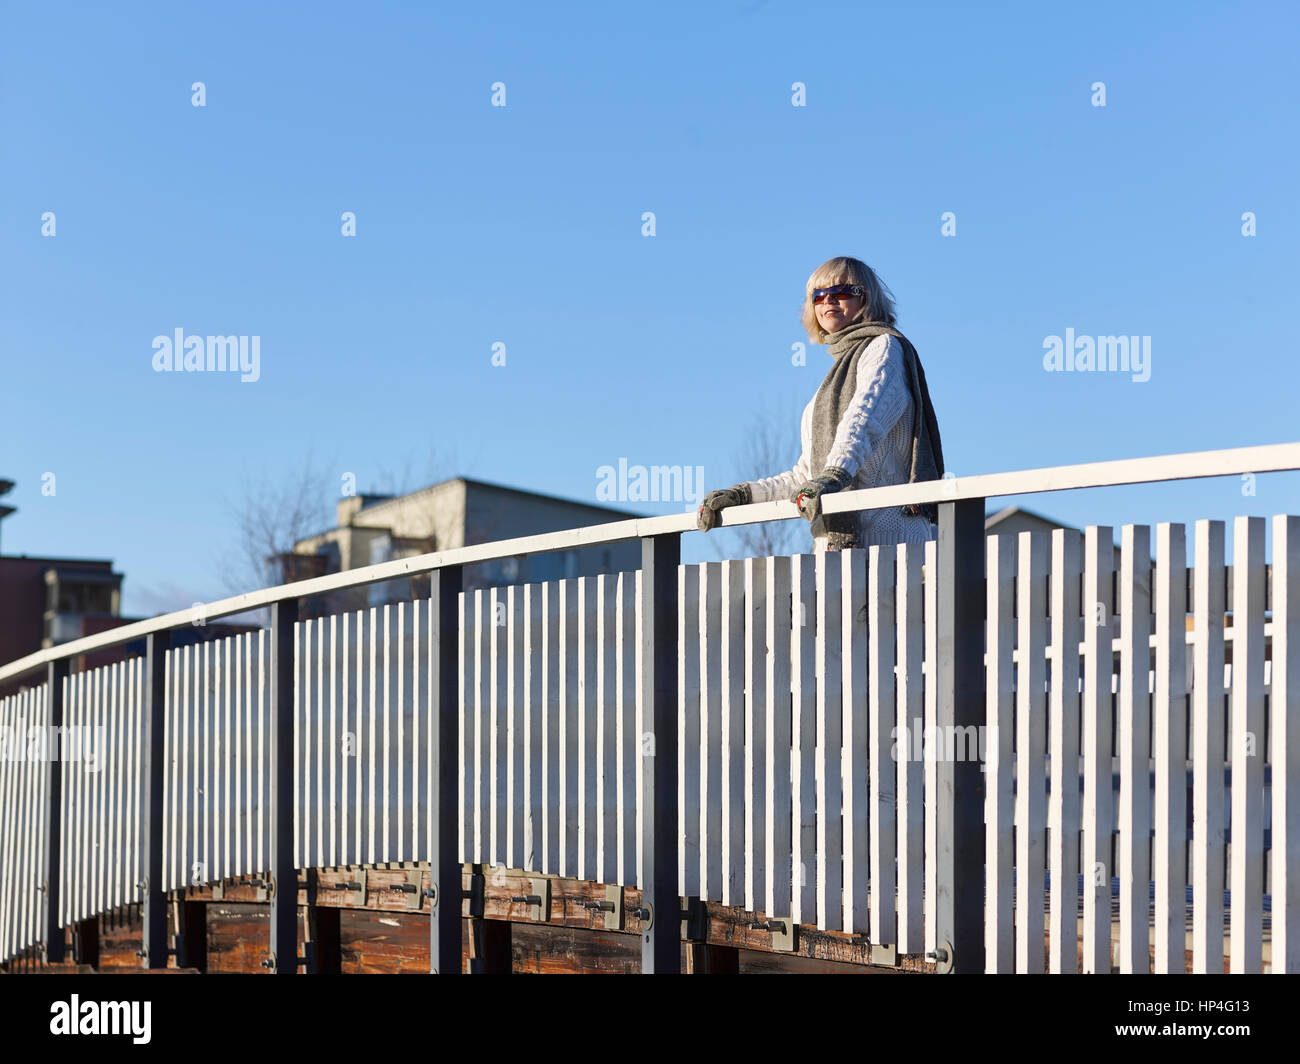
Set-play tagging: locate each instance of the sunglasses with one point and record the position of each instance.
(820, 295)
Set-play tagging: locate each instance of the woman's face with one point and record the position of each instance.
(838, 311)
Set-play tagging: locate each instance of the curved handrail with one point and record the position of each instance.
(1265, 458)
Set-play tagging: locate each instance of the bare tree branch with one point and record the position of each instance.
(272, 514)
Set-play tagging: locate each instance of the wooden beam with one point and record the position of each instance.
(490, 947)
(572, 908)
(705, 959)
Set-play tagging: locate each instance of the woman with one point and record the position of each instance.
(870, 424)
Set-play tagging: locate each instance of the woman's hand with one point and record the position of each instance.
(808, 497)
(707, 518)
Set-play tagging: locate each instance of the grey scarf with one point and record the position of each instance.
(835, 394)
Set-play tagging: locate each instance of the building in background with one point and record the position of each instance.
(1012, 520)
(454, 513)
(48, 601)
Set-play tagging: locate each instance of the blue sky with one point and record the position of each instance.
(522, 225)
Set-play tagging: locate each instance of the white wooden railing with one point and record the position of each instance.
(795, 677)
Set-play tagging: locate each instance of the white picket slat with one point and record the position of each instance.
(803, 738)
(929, 669)
(734, 615)
(517, 731)
(999, 810)
(551, 752)
(711, 680)
(910, 729)
(587, 759)
(1284, 738)
(570, 727)
(354, 645)
(9, 839)
(855, 752)
(777, 740)
(1169, 741)
(1208, 825)
(468, 740)
(104, 693)
(534, 735)
(887, 753)
(643, 738)
(830, 794)
(607, 730)
(1134, 750)
(1247, 746)
(13, 779)
(629, 737)
(227, 806)
(495, 800)
(1063, 735)
(1098, 569)
(368, 737)
(1031, 742)
(689, 686)
(756, 607)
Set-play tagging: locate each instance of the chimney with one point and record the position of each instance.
(347, 508)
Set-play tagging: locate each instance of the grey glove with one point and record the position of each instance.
(808, 497)
(707, 518)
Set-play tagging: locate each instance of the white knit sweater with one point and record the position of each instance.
(873, 443)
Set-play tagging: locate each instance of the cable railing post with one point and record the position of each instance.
(284, 874)
(56, 672)
(959, 674)
(445, 927)
(151, 831)
(661, 944)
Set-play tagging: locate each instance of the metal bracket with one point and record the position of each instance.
(696, 915)
(611, 907)
(614, 913)
(358, 888)
(782, 929)
(218, 891)
(475, 892)
(538, 899)
(884, 955)
(784, 934)
(412, 888)
(942, 957)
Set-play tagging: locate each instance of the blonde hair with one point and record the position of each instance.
(878, 306)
